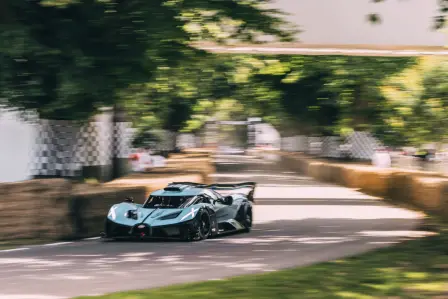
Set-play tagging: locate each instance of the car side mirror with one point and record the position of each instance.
(228, 200)
(129, 199)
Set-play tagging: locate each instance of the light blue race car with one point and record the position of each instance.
(185, 211)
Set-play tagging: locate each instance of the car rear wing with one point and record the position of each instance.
(223, 187)
(231, 187)
(197, 185)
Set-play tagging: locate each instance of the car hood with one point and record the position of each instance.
(149, 216)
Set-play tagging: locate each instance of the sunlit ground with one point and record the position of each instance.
(298, 222)
(416, 269)
(297, 197)
(11, 244)
(265, 214)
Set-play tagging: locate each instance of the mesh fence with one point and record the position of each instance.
(359, 146)
(63, 148)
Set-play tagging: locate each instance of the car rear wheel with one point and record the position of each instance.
(247, 222)
(205, 227)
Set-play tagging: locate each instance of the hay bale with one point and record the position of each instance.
(427, 190)
(58, 208)
(429, 193)
(87, 209)
(294, 163)
(151, 182)
(26, 206)
(400, 187)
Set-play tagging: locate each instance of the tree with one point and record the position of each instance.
(318, 95)
(67, 58)
(439, 21)
(172, 99)
(416, 111)
(297, 94)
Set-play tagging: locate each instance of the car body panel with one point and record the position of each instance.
(129, 219)
(150, 216)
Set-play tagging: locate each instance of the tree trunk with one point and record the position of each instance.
(120, 143)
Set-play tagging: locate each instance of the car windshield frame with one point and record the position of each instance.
(168, 202)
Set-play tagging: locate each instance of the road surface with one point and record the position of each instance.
(297, 222)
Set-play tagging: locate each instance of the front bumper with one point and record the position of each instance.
(143, 230)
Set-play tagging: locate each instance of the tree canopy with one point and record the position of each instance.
(297, 94)
(67, 58)
(439, 20)
(417, 108)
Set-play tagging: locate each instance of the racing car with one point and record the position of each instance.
(185, 211)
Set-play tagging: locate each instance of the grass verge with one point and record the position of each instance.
(414, 269)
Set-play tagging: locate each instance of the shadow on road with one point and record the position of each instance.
(297, 221)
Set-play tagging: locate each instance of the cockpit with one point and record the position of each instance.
(168, 202)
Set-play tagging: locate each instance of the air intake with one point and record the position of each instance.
(173, 188)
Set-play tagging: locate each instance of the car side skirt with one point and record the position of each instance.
(230, 225)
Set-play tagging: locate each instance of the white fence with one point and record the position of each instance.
(50, 148)
(16, 146)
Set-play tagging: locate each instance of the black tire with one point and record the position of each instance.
(202, 228)
(247, 221)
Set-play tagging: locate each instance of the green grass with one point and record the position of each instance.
(415, 269)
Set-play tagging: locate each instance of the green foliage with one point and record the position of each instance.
(67, 58)
(417, 106)
(297, 94)
(324, 94)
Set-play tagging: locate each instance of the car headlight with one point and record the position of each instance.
(170, 216)
(132, 214)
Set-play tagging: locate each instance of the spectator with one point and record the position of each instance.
(381, 158)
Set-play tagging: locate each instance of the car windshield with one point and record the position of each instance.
(167, 202)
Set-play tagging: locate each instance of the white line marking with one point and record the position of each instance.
(57, 244)
(136, 254)
(33, 261)
(93, 238)
(15, 249)
(316, 200)
(75, 277)
(45, 245)
(187, 268)
(28, 297)
(79, 255)
(168, 259)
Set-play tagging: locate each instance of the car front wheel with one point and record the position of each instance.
(201, 228)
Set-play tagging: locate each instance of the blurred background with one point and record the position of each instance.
(87, 87)
(84, 85)
(102, 99)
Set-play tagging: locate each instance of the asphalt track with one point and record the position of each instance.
(298, 221)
